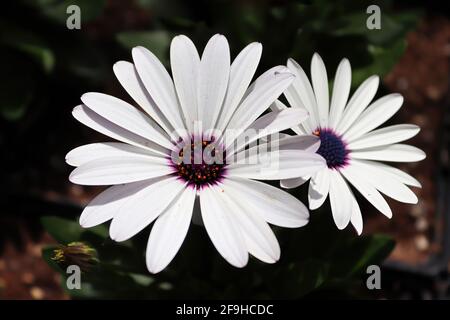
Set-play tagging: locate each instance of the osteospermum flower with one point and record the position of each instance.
(155, 171)
(349, 143)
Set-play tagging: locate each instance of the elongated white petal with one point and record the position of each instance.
(169, 231)
(310, 143)
(213, 80)
(260, 98)
(340, 199)
(94, 151)
(398, 174)
(128, 77)
(358, 102)
(144, 207)
(277, 105)
(319, 187)
(319, 80)
(272, 204)
(118, 170)
(301, 94)
(126, 116)
(277, 165)
(376, 114)
(92, 120)
(259, 239)
(356, 218)
(394, 153)
(222, 229)
(341, 90)
(268, 124)
(367, 190)
(107, 204)
(384, 182)
(159, 85)
(384, 136)
(293, 182)
(241, 73)
(185, 63)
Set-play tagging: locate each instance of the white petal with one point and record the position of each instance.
(241, 73)
(319, 80)
(268, 124)
(319, 187)
(385, 182)
(117, 170)
(266, 90)
(94, 121)
(293, 182)
(169, 231)
(301, 95)
(341, 90)
(89, 152)
(129, 79)
(144, 207)
(394, 153)
(340, 199)
(126, 116)
(310, 143)
(185, 63)
(356, 218)
(221, 227)
(276, 165)
(213, 80)
(258, 237)
(106, 205)
(272, 204)
(358, 102)
(400, 175)
(277, 105)
(366, 189)
(376, 114)
(384, 136)
(159, 85)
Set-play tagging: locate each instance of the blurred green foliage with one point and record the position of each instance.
(46, 67)
(309, 265)
(37, 48)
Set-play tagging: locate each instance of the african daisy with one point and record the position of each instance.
(168, 154)
(350, 145)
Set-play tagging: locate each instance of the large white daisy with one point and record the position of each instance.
(154, 180)
(349, 143)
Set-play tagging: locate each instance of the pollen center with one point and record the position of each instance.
(332, 148)
(200, 163)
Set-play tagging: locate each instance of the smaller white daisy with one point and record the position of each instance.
(349, 143)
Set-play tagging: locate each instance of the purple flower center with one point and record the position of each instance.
(200, 163)
(332, 148)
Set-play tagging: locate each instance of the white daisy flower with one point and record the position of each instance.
(349, 143)
(153, 179)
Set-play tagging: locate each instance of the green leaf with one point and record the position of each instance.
(360, 252)
(383, 60)
(29, 43)
(157, 42)
(44, 56)
(297, 279)
(393, 27)
(65, 231)
(376, 248)
(17, 87)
